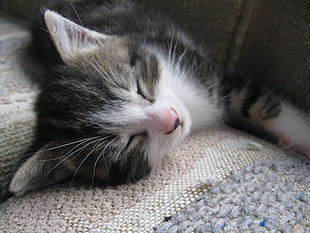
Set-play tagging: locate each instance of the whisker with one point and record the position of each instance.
(45, 30)
(82, 162)
(109, 77)
(103, 74)
(170, 51)
(61, 146)
(181, 57)
(95, 164)
(175, 48)
(69, 152)
(81, 149)
(76, 14)
(68, 155)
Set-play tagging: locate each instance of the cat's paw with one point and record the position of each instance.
(286, 142)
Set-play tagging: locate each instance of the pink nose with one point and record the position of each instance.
(164, 120)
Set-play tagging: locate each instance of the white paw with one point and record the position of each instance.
(286, 142)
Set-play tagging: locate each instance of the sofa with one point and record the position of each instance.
(220, 180)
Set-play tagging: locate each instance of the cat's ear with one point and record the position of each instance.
(44, 168)
(70, 38)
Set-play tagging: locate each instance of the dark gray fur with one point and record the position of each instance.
(69, 92)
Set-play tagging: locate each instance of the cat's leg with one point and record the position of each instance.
(262, 108)
(291, 129)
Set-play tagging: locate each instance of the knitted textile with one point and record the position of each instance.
(17, 94)
(269, 195)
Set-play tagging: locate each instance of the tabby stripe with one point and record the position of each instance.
(252, 96)
(272, 110)
(226, 92)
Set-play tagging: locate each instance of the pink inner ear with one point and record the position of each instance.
(164, 120)
(69, 37)
(79, 37)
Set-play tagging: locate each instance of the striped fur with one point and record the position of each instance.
(124, 86)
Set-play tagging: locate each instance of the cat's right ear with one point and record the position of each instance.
(69, 38)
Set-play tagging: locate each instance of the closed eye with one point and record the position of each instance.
(135, 139)
(141, 93)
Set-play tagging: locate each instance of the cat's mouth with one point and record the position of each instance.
(178, 123)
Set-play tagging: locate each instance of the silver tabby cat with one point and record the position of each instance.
(123, 86)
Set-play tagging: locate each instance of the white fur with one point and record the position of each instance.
(292, 128)
(193, 100)
(192, 104)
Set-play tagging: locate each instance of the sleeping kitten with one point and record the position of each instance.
(123, 86)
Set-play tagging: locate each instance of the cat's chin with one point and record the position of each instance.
(162, 144)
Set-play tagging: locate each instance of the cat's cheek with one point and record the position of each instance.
(161, 145)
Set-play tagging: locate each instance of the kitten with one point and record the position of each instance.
(123, 86)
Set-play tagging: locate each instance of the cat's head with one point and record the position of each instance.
(109, 113)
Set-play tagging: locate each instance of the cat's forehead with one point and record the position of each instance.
(120, 77)
(110, 51)
(120, 63)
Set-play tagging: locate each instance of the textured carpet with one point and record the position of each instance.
(216, 181)
(269, 195)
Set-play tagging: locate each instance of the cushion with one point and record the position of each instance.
(265, 40)
(17, 94)
(216, 180)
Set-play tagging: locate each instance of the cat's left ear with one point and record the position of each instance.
(70, 38)
(45, 167)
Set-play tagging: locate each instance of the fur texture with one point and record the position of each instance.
(123, 86)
